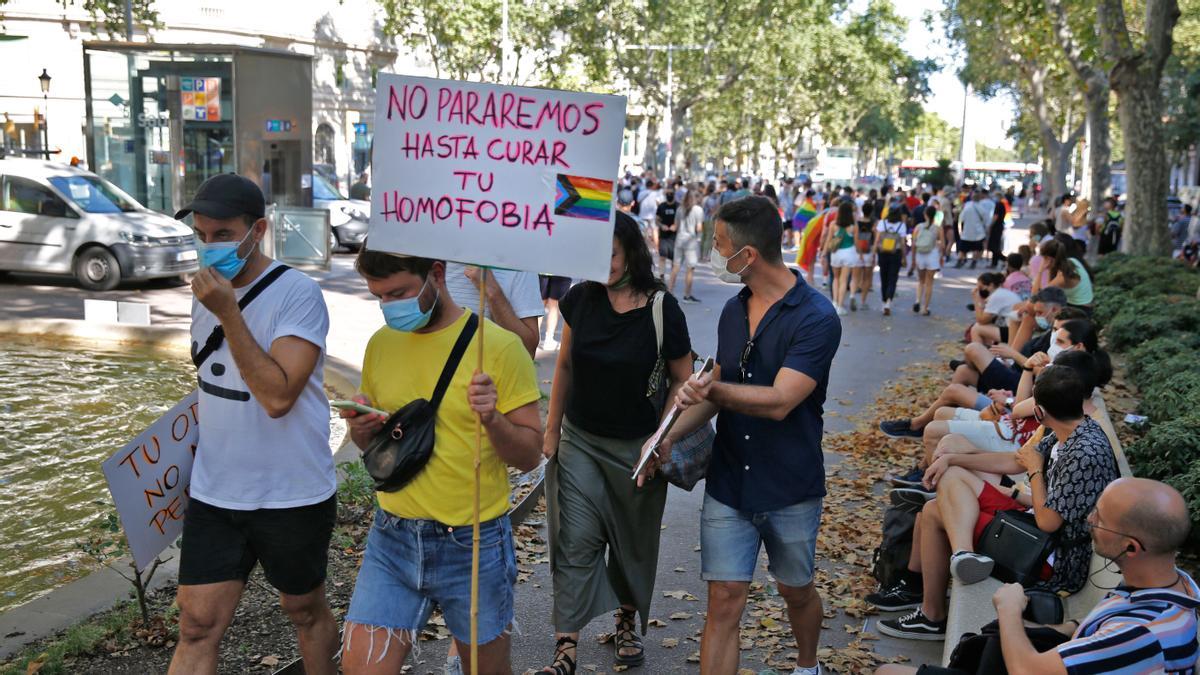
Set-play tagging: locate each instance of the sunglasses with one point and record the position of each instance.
(745, 358)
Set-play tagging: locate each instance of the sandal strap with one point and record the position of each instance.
(567, 666)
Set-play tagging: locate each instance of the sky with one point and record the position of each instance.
(987, 120)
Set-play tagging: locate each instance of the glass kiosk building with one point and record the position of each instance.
(160, 119)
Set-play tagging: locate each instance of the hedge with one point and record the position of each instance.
(1148, 311)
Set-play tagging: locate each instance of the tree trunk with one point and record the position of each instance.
(1100, 151)
(650, 155)
(1140, 111)
(679, 136)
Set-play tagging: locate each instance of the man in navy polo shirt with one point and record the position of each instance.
(775, 342)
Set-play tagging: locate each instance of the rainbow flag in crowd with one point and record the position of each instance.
(582, 197)
(804, 213)
(810, 241)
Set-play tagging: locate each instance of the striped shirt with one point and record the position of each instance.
(1132, 631)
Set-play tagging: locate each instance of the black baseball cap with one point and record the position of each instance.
(226, 195)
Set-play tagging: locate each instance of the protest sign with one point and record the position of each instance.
(507, 177)
(149, 477)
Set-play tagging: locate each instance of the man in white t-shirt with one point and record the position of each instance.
(514, 299)
(995, 307)
(263, 488)
(974, 220)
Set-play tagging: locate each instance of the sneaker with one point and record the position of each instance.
(913, 498)
(865, 304)
(916, 307)
(814, 670)
(899, 429)
(958, 265)
(550, 345)
(970, 568)
(912, 272)
(973, 262)
(913, 626)
(853, 305)
(955, 363)
(970, 307)
(453, 666)
(691, 299)
(887, 311)
(841, 311)
(896, 598)
(912, 479)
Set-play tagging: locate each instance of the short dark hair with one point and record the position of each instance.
(1060, 392)
(754, 221)
(991, 279)
(1015, 261)
(1054, 296)
(1087, 365)
(1039, 228)
(1069, 313)
(381, 265)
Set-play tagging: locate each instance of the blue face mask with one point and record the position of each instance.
(405, 314)
(223, 256)
(1043, 323)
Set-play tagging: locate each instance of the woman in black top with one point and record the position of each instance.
(604, 530)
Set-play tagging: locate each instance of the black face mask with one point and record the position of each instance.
(984, 293)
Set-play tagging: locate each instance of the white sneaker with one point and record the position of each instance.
(969, 567)
(815, 670)
(550, 345)
(842, 311)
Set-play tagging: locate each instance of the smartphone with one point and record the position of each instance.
(357, 407)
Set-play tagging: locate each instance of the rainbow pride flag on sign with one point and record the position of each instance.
(804, 213)
(582, 197)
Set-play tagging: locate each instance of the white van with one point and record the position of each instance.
(59, 219)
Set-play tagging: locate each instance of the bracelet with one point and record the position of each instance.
(1035, 473)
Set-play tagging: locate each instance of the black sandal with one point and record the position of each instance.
(563, 664)
(626, 637)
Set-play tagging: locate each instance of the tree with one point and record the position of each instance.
(1136, 76)
(1026, 62)
(1079, 48)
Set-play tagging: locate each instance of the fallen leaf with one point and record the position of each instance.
(681, 616)
(269, 661)
(670, 643)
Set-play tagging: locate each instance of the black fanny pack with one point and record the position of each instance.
(405, 443)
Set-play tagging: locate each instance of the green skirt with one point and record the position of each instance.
(604, 529)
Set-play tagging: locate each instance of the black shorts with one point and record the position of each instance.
(554, 288)
(666, 247)
(966, 245)
(1003, 326)
(998, 375)
(224, 544)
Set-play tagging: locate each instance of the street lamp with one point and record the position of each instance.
(44, 81)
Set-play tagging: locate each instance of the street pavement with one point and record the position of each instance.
(874, 349)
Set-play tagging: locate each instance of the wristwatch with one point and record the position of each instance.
(1008, 402)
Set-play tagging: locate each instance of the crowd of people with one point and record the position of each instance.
(1016, 431)
(263, 486)
(264, 490)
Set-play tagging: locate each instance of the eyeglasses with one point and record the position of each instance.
(745, 358)
(1095, 516)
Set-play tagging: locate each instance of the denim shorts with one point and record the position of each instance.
(730, 539)
(411, 565)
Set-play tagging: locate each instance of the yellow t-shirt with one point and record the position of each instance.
(400, 367)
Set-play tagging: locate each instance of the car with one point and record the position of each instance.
(329, 173)
(348, 218)
(59, 219)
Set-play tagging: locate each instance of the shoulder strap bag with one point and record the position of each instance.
(690, 455)
(213, 343)
(405, 443)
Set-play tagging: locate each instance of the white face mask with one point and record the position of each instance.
(1055, 349)
(719, 263)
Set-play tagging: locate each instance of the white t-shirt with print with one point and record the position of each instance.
(246, 460)
(1001, 302)
(521, 289)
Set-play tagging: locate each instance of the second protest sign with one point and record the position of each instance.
(508, 177)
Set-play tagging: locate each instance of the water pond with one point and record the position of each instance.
(63, 409)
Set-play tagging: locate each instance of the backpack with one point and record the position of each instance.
(862, 239)
(926, 238)
(892, 241)
(890, 559)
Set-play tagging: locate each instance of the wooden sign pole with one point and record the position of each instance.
(483, 272)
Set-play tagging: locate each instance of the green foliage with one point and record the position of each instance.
(356, 492)
(941, 176)
(79, 640)
(1142, 304)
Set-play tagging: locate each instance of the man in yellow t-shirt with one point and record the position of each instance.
(419, 551)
